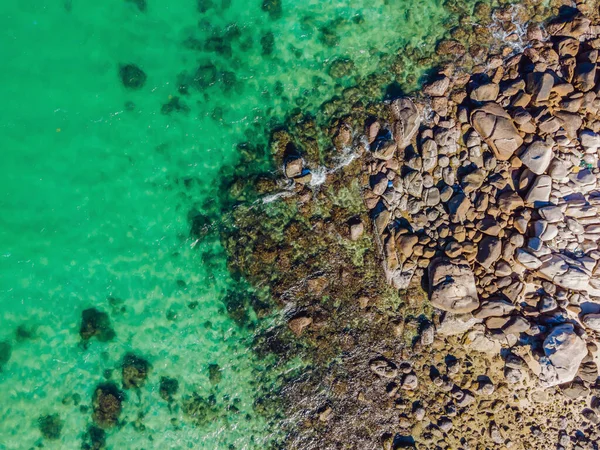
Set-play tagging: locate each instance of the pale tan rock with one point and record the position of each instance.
(452, 286)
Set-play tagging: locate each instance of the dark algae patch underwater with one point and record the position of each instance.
(122, 319)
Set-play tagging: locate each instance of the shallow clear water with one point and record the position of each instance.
(97, 181)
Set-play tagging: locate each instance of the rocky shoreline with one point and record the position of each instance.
(481, 190)
(495, 197)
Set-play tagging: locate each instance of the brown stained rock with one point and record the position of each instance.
(458, 207)
(437, 88)
(107, 405)
(384, 148)
(485, 92)
(567, 47)
(489, 226)
(494, 323)
(293, 167)
(490, 249)
(299, 323)
(497, 128)
(584, 78)
(407, 123)
(473, 180)
(509, 202)
(343, 136)
(449, 47)
(516, 325)
(539, 86)
(383, 368)
(572, 27)
(405, 244)
(382, 220)
(494, 308)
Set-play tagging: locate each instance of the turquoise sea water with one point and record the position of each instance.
(97, 182)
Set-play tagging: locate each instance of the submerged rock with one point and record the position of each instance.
(95, 323)
(107, 405)
(168, 388)
(94, 439)
(50, 426)
(132, 76)
(141, 4)
(273, 8)
(214, 374)
(5, 352)
(134, 371)
(341, 68)
(202, 410)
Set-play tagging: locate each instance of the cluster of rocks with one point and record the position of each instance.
(488, 183)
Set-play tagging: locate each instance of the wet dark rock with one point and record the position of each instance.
(273, 8)
(132, 76)
(134, 371)
(168, 388)
(95, 323)
(50, 426)
(107, 404)
(450, 47)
